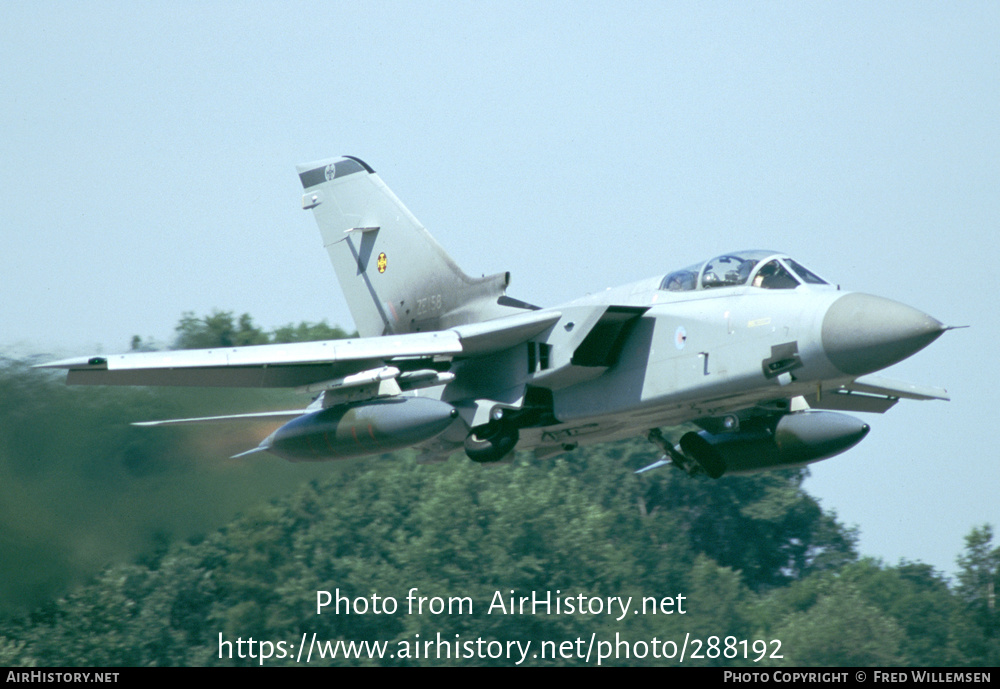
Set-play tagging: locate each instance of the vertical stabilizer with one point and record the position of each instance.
(396, 278)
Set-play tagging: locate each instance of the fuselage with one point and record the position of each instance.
(710, 349)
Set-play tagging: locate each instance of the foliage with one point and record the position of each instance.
(387, 525)
(223, 329)
(841, 628)
(866, 614)
(755, 557)
(81, 487)
(218, 329)
(764, 526)
(309, 332)
(978, 582)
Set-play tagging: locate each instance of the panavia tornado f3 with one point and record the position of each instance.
(752, 347)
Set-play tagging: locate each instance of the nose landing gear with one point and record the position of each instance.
(493, 441)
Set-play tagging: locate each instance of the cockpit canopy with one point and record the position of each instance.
(764, 269)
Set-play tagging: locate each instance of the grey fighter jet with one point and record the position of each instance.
(752, 347)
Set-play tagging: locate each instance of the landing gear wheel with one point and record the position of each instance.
(492, 447)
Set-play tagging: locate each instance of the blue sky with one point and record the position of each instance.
(148, 151)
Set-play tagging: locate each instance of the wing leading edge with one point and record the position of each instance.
(303, 364)
(873, 394)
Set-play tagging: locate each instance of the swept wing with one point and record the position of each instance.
(303, 364)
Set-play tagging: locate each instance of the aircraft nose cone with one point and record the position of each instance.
(863, 333)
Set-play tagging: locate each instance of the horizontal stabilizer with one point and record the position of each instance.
(662, 462)
(230, 417)
(254, 451)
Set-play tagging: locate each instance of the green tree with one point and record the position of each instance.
(764, 525)
(218, 329)
(978, 581)
(918, 599)
(309, 332)
(223, 329)
(579, 524)
(841, 629)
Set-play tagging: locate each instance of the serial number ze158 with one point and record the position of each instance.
(732, 647)
(428, 305)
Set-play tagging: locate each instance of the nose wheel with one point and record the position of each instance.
(493, 441)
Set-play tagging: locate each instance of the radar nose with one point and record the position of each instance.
(863, 333)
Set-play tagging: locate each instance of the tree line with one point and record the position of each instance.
(225, 329)
(190, 545)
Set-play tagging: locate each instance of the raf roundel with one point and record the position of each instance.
(680, 337)
(382, 262)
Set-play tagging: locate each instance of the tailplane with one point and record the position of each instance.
(396, 278)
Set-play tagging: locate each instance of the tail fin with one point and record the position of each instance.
(396, 278)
